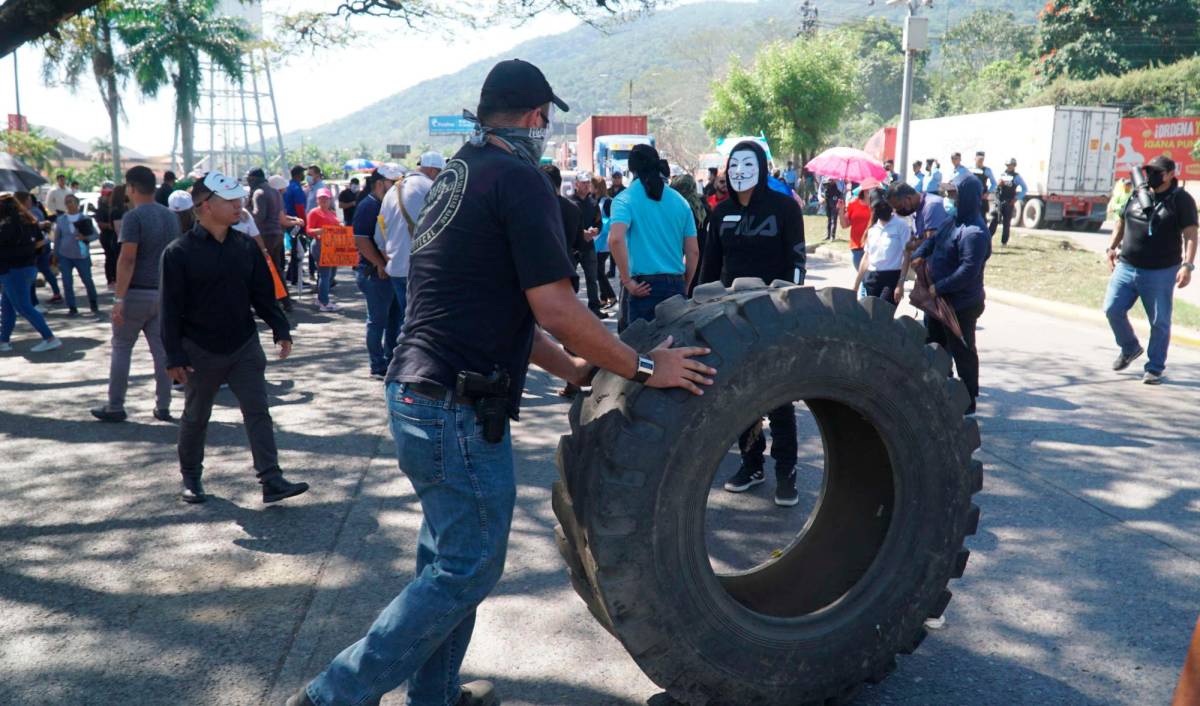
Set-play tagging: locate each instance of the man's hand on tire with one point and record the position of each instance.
(674, 367)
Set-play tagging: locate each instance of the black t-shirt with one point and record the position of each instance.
(572, 219)
(491, 228)
(348, 200)
(163, 193)
(1154, 240)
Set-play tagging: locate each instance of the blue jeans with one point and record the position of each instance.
(1156, 288)
(383, 319)
(43, 266)
(467, 491)
(66, 266)
(324, 275)
(15, 300)
(400, 287)
(662, 287)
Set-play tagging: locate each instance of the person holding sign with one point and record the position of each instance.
(318, 219)
(383, 313)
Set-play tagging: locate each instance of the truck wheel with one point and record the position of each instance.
(1033, 214)
(833, 608)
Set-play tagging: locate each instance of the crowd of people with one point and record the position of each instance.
(467, 267)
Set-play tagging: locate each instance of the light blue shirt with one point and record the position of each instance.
(960, 170)
(657, 229)
(917, 181)
(933, 182)
(989, 180)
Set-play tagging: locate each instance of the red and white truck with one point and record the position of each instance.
(628, 129)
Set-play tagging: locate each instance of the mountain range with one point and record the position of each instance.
(592, 69)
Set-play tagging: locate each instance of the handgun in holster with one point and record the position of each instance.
(490, 396)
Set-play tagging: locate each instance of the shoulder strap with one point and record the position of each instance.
(412, 224)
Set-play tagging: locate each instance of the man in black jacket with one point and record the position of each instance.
(212, 279)
(758, 233)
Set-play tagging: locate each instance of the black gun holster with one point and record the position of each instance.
(490, 395)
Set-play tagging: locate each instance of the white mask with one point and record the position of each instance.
(743, 170)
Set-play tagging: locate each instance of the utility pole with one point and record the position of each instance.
(916, 39)
(631, 96)
(17, 87)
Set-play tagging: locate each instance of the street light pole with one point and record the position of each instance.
(631, 96)
(916, 38)
(17, 87)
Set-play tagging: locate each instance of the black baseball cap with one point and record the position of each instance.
(1161, 163)
(517, 84)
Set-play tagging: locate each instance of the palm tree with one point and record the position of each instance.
(87, 40)
(165, 39)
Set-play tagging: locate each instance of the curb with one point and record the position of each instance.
(1179, 335)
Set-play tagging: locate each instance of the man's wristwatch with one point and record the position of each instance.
(645, 368)
(1189, 266)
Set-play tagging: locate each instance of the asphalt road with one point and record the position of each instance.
(1083, 585)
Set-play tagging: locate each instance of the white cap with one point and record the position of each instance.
(277, 182)
(390, 171)
(179, 201)
(583, 176)
(432, 159)
(224, 187)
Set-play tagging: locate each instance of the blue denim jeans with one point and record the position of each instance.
(43, 266)
(15, 300)
(67, 266)
(662, 287)
(467, 491)
(1156, 289)
(400, 287)
(383, 319)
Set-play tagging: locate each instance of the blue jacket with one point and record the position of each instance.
(957, 255)
(294, 195)
(970, 201)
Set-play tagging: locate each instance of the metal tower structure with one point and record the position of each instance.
(235, 118)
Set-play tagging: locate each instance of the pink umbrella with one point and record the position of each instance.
(847, 164)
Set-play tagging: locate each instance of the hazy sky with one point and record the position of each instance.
(309, 89)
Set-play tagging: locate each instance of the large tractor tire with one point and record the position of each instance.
(832, 610)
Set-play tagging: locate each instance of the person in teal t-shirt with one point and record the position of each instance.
(652, 236)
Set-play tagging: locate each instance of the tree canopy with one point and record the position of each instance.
(795, 94)
(1083, 39)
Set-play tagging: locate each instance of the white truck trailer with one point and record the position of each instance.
(1066, 155)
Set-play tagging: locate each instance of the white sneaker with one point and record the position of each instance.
(936, 623)
(47, 344)
(5, 346)
(329, 307)
(41, 309)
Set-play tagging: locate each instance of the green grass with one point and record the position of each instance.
(1039, 266)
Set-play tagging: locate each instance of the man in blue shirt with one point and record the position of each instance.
(383, 310)
(1010, 190)
(789, 175)
(652, 235)
(917, 179)
(316, 182)
(294, 204)
(956, 162)
(933, 179)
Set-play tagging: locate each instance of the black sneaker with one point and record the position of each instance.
(163, 415)
(105, 414)
(785, 488)
(276, 488)
(1123, 360)
(746, 478)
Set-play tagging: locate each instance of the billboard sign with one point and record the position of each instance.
(1143, 139)
(440, 125)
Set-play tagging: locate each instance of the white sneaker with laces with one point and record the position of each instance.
(47, 344)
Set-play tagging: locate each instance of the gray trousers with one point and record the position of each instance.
(244, 371)
(587, 260)
(141, 318)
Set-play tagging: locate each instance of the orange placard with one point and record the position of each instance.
(337, 247)
(1188, 691)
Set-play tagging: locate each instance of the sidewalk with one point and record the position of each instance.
(1082, 588)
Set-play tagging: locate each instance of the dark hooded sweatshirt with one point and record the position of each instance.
(764, 239)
